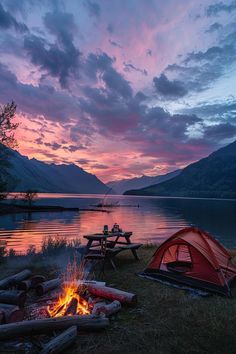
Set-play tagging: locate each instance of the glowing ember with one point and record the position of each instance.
(70, 302)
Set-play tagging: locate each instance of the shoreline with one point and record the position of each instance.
(17, 209)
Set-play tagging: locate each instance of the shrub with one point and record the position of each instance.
(3, 251)
(31, 251)
(11, 253)
(55, 244)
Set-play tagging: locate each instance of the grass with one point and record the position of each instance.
(57, 244)
(167, 320)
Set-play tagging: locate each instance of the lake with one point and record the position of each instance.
(153, 221)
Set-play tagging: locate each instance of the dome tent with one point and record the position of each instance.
(193, 257)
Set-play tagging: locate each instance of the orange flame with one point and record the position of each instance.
(69, 292)
(60, 307)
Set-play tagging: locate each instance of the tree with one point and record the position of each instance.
(7, 139)
(29, 197)
(7, 126)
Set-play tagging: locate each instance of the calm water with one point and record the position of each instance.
(154, 220)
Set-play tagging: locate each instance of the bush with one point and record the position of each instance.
(31, 251)
(11, 253)
(3, 251)
(55, 244)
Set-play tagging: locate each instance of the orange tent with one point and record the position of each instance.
(195, 258)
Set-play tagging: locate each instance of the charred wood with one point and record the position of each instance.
(72, 307)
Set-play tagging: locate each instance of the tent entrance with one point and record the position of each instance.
(177, 258)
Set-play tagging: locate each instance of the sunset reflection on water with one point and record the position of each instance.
(153, 221)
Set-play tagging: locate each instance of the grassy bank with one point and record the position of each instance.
(166, 320)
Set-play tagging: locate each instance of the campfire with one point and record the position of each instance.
(69, 302)
(55, 310)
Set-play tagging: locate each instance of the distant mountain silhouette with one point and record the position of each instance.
(210, 177)
(140, 182)
(37, 175)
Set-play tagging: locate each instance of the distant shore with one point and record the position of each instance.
(15, 209)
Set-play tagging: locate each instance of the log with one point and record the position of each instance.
(109, 309)
(72, 307)
(1, 317)
(28, 328)
(97, 307)
(37, 279)
(14, 279)
(85, 282)
(61, 342)
(13, 297)
(113, 294)
(26, 285)
(46, 286)
(11, 313)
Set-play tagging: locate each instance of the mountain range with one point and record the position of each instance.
(32, 174)
(123, 185)
(210, 177)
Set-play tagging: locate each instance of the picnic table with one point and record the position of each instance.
(111, 244)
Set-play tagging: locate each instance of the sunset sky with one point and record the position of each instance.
(120, 87)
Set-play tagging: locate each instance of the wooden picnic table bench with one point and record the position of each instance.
(109, 245)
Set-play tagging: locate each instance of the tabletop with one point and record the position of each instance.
(99, 236)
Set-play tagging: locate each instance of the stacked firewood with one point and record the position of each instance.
(23, 292)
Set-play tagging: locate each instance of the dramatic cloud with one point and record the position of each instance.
(169, 89)
(224, 111)
(220, 132)
(197, 71)
(129, 67)
(215, 9)
(59, 59)
(214, 27)
(41, 100)
(93, 8)
(123, 88)
(7, 21)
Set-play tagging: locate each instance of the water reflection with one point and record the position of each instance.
(155, 220)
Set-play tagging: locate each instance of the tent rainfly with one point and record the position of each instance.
(194, 258)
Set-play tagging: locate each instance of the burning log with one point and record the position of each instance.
(13, 297)
(28, 328)
(61, 342)
(11, 313)
(109, 309)
(113, 294)
(14, 279)
(31, 283)
(72, 307)
(47, 286)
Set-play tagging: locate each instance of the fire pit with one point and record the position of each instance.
(65, 305)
